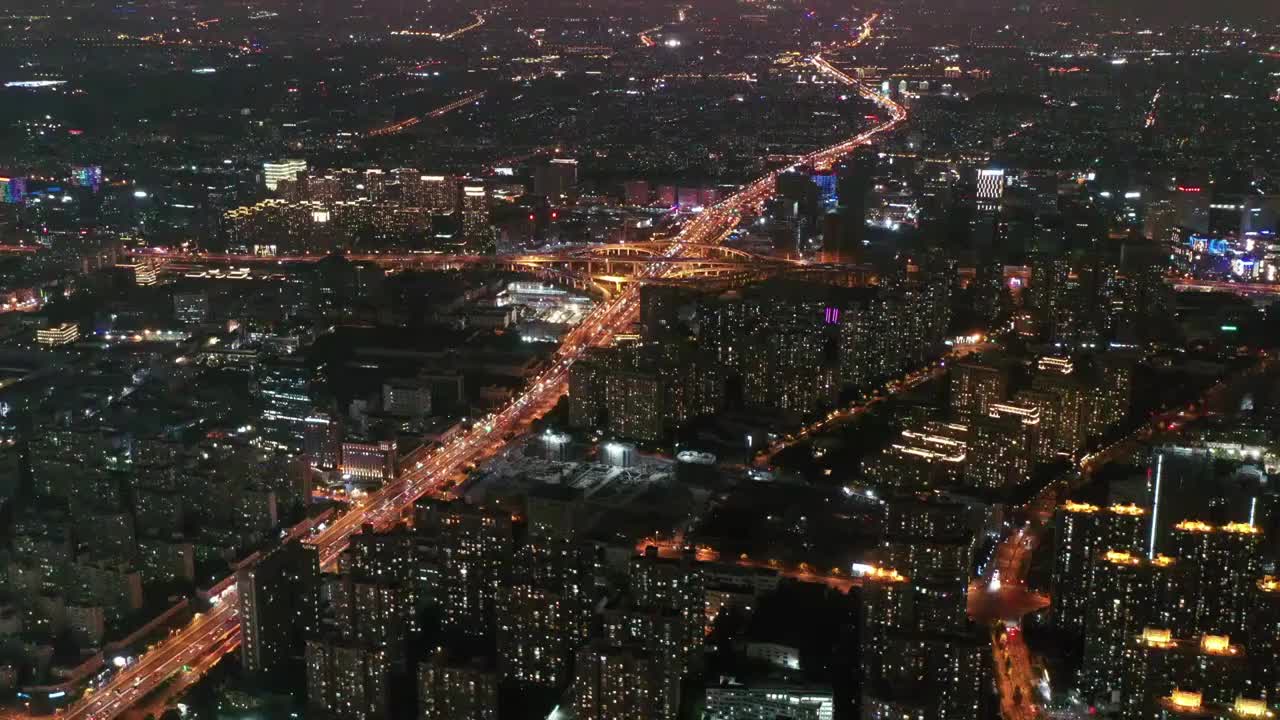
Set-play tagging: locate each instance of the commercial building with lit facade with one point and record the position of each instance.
(274, 172)
(769, 701)
(283, 387)
(370, 463)
(475, 213)
(62, 334)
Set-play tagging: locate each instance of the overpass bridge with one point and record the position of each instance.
(602, 270)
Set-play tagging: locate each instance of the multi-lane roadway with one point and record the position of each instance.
(211, 633)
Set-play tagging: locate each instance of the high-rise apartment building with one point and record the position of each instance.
(920, 658)
(453, 690)
(1129, 593)
(475, 549)
(1264, 637)
(277, 599)
(621, 683)
(674, 585)
(534, 636)
(926, 455)
(1058, 376)
(1220, 567)
(436, 193)
(974, 388)
(1081, 532)
(347, 680)
(1004, 445)
(1163, 671)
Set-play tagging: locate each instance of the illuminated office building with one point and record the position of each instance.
(475, 213)
(86, 176)
(322, 440)
(371, 463)
(274, 172)
(57, 335)
(142, 271)
(283, 386)
(991, 185)
(769, 701)
(13, 190)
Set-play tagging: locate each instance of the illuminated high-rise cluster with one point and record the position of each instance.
(1164, 633)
